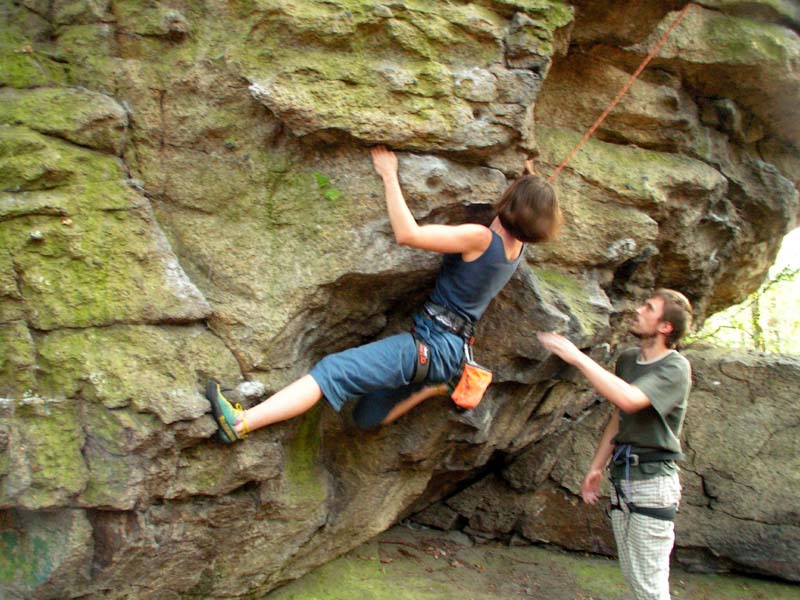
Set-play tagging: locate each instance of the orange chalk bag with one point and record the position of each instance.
(473, 383)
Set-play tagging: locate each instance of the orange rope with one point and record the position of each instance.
(621, 93)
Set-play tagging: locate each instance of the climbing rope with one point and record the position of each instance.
(621, 93)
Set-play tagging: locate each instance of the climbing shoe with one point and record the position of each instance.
(226, 415)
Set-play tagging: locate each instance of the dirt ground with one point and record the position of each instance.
(423, 564)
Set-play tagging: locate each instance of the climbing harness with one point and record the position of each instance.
(623, 455)
(451, 321)
(470, 383)
(423, 363)
(622, 92)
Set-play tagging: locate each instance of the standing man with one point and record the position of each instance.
(649, 391)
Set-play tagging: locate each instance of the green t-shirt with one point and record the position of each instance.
(666, 383)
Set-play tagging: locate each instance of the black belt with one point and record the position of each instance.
(635, 459)
(450, 320)
(662, 513)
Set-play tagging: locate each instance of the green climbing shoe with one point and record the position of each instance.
(226, 415)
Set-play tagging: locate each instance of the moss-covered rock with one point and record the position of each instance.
(158, 370)
(17, 360)
(80, 116)
(656, 112)
(80, 11)
(31, 161)
(583, 300)
(121, 449)
(90, 55)
(44, 443)
(68, 201)
(404, 98)
(305, 483)
(243, 238)
(43, 551)
(643, 178)
(80, 257)
(766, 10)
(755, 64)
(91, 269)
(24, 59)
(8, 279)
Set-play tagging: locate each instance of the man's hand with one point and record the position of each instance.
(384, 161)
(560, 346)
(590, 486)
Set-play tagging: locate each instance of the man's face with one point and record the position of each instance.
(647, 322)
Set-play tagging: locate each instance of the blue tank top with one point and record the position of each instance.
(468, 287)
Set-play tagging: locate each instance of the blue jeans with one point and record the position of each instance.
(379, 373)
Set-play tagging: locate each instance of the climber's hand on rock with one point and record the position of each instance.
(384, 161)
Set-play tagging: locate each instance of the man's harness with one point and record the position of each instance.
(623, 455)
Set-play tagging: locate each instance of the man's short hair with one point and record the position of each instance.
(677, 311)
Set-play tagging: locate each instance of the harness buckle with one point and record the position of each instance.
(634, 460)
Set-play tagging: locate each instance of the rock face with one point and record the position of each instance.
(740, 478)
(186, 193)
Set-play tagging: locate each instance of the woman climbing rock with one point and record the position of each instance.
(478, 262)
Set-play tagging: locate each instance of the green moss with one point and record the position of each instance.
(53, 440)
(17, 360)
(66, 113)
(302, 475)
(22, 70)
(313, 71)
(22, 63)
(34, 545)
(557, 280)
(639, 176)
(92, 270)
(552, 14)
(85, 274)
(112, 437)
(8, 277)
(359, 577)
(570, 291)
(67, 201)
(89, 55)
(750, 42)
(599, 576)
(25, 559)
(31, 161)
(147, 19)
(152, 369)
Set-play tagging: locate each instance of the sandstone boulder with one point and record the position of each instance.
(185, 193)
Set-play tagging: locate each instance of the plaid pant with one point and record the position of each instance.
(644, 543)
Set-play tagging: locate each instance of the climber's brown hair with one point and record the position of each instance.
(529, 210)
